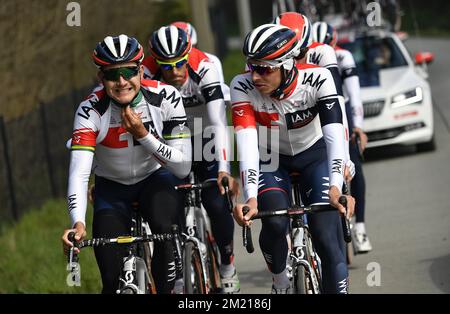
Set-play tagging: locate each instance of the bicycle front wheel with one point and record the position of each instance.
(193, 273)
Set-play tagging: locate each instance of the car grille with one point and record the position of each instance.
(373, 108)
(391, 133)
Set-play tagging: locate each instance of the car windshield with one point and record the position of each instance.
(373, 54)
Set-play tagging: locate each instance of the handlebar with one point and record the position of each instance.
(295, 210)
(345, 222)
(247, 234)
(195, 186)
(358, 146)
(225, 185)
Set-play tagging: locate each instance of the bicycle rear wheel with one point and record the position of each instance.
(193, 274)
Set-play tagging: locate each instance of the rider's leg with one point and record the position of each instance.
(326, 229)
(111, 219)
(222, 223)
(161, 205)
(274, 194)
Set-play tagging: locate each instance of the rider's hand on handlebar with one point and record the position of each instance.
(239, 216)
(363, 137)
(80, 234)
(349, 171)
(233, 185)
(334, 195)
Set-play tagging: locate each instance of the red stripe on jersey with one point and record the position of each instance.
(272, 189)
(244, 116)
(150, 83)
(304, 66)
(84, 137)
(195, 57)
(315, 44)
(224, 154)
(112, 138)
(266, 119)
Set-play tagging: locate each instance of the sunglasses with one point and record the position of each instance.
(261, 69)
(115, 73)
(167, 66)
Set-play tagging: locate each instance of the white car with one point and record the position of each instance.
(395, 92)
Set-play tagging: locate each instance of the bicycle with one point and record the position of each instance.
(304, 260)
(200, 250)
(136, 275)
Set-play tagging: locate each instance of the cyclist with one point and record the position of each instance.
(190, 30)
(300, 105)
(141, 148)
(325, 33)
(321, 55)
(175, 62)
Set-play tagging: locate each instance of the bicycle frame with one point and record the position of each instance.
(197, 222)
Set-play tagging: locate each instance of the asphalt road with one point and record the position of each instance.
(407, 211)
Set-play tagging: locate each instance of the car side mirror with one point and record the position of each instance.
(424, 57)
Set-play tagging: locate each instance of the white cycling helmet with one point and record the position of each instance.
(324, 33)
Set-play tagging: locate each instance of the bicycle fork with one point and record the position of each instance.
(303, 255)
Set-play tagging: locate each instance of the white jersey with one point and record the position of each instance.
(310, 111)
(216, 61)
(201, 89)
(100, 142)
(350, 84)
(324, 56)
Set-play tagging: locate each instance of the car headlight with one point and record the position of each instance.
(408, 98)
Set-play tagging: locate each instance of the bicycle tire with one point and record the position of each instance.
(193, 273)
(127, 291)
(150, 286)
(300, 275)
(350, 253)
(213, 265)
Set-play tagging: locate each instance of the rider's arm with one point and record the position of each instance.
(247, 140)
(176, 151)
(215, 105)
(329, 61)
(331, 119)
(352, 89)
(86, 128)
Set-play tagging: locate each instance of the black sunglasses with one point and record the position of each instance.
(115, 73)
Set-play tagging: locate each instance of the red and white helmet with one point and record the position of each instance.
(189, 29)
(300, 24)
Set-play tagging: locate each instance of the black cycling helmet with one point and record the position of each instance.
(169, 42)
(117, 49)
